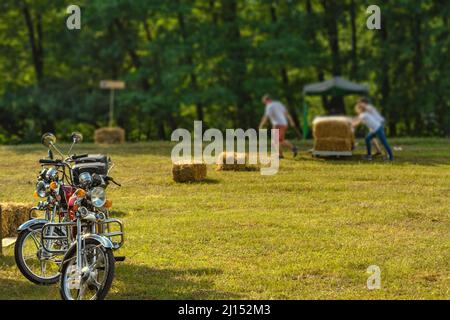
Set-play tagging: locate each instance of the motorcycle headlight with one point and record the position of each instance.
(41, 189)
(85, 178)
(98, 197)
(51, 174)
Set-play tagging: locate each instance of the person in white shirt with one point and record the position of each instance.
(279, 117)
(376, 129)
(374, 112)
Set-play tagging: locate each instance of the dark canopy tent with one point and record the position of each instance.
(336, 87)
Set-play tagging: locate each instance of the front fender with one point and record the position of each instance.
(105, 242)
(29, 223)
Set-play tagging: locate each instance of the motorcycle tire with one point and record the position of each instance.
(70, 260)
(20, 261)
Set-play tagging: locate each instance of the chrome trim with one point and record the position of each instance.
(45, 238)
(105, 226)
(29, 223)
(104, 241)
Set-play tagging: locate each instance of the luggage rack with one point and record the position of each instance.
(46, 239)
(112, 235)
(104, 227)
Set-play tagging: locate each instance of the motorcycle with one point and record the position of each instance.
(88, 266)
(82, 234)
(54, 185)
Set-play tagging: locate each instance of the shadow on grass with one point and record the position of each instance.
(206, 181)
(21, 288)
(142, 282)
(7, 261)
(400, 159)
(25, 290)
(117, 214)
(131, 282)
(129, 149)
(210, 181)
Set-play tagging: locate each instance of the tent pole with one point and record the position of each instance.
(305, 120)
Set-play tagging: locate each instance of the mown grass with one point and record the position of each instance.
(309, 232)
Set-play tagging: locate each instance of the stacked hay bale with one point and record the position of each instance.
(234, 161)
(333, 133)
(12, 216)
(109, 136)
(188, 172)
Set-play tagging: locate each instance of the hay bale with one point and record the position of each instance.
(333, 144)
(188, 172)
(109, 136)
(334, 133)
(332, 127)
(13, 215)
(234, 161)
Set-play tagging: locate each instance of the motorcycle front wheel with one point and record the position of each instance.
(36, 264)
(96, 276)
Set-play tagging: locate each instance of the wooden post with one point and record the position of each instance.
(111, 109)
(305, 120)
(111, 85)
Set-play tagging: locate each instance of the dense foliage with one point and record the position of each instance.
(213, 59)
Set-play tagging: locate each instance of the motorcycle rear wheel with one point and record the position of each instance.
(30, 257)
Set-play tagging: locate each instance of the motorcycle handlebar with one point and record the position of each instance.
(48, 161)
(60, 162)
(75, 157)
(108, 178)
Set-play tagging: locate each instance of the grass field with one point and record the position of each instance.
(309, 232)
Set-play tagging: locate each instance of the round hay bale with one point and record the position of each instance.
(109, 136)
(234, 161)
(189, 172)
(13, 215)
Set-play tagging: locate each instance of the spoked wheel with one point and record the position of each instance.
(96, 276)
(36, 264)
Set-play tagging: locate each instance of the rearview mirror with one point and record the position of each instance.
(77, 137)
(48, 139)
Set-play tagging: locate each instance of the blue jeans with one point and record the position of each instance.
(382, 137)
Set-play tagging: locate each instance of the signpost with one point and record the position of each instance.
(112, 85)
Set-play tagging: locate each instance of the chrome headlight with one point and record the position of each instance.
(51, 174)
(85, 178)
(98, 197)
(41, 189)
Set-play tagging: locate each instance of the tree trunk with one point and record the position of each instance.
(156, 63)
(354, 52)
(35, 36)
(135, 59)
(332, 12)
(238, 68)
(285, 76)
(314, 44)
(417, 71)
(190, 61)
(385, 81)
(35, 40)
(212, 4)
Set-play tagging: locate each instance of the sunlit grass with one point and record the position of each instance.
(308, 232)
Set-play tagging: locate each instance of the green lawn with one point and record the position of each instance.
(309, 232)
